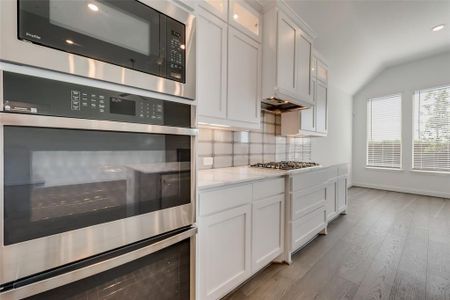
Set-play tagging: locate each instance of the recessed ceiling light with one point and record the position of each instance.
(93, 7)
(438, 27)
(70, 42)
(235, 16)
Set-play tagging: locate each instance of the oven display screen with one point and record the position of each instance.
(122, 106)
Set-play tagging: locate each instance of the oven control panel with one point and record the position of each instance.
(36, 95)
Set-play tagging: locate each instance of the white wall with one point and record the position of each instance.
(336, 147)
(404, 79)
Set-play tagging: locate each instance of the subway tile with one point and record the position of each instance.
(269, 118)
(205, 135)
(223, 148)
(202, 167)
(256, 158)
(278, 119)
(280, 140)
(223, 161)
(277, 130)
(255, 137)
(256, 149)
(280, 148)
(269, 128)
(269, 148)
(268, 157)
(241, 136)
(279, 156)
(240, 160)
(223, 135)
(240, 148)
(269, 138)
(205, 148)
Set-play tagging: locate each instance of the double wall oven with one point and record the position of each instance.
(87, 174)
(97, 145)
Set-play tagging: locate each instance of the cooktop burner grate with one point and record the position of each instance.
(285, 165)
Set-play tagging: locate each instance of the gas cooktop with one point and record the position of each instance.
(285, 165)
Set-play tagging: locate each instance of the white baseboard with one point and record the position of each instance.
(402, 189)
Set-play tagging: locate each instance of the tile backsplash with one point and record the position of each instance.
(240, 148)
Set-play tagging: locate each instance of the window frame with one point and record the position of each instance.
(413, 169)
(369, 118)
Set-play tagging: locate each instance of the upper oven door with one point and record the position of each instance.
(146, 44)
(73, 188)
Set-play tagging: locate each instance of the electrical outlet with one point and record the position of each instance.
(208, 161)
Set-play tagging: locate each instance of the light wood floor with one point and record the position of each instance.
(389, 246)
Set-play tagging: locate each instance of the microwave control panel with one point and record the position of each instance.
(42, 96)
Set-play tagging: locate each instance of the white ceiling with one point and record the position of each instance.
(358, 39)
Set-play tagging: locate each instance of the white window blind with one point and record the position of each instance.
(432, 130)
(384, 132)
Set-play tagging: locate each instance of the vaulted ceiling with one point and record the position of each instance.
(359, 39)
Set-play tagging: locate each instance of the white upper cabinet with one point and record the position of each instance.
(286, 67)
(321, 108)
(304, 47)
(322, 72)
(211, 65)
(228, 64)
(245, 18)
(217, 7)
(287, 58)
(308, 116)
(244, 55)
(314, 120)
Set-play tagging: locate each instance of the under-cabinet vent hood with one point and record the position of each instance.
(276, 105)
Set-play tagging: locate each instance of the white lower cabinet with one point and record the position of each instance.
(267, 231)
(308, 226)
(240, 230)
(224, 251)
(331, 199)
(342, 194)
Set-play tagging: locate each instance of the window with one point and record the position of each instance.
(384, 132)
(432, 130)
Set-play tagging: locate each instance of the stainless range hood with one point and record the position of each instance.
(278, 106)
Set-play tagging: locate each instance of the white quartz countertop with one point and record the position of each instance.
(225, 176)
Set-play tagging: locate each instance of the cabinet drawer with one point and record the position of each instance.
(305, 228)
(267, 188)
(222, 199)
(303, 202)
(313, 178)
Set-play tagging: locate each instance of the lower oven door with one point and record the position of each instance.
(161, 268)
(72, 189)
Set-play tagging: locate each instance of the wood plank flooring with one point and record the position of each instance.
(389, 246)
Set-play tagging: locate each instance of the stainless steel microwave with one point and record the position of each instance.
(148, 44)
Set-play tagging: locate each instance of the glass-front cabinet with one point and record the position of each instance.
(245, 18)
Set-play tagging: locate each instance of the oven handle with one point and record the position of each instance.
(78, 274)
(14, 119)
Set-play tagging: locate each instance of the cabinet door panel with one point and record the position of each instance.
(304, 68)
(308, 116)
(245, 18)
(267, 229)
(331, 203)
(211, 65)
(286, 54)
(321, 108)
(224, 251)
(217, 7)
(244, 55)
(342, 194)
